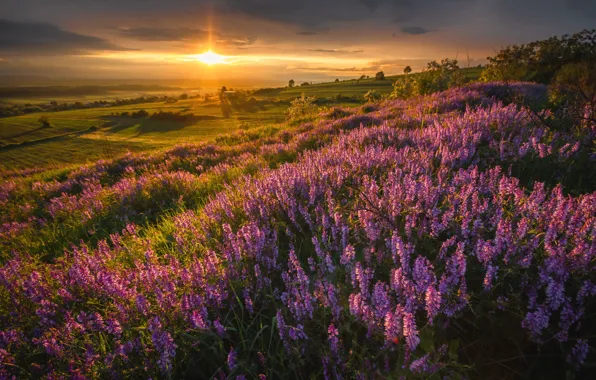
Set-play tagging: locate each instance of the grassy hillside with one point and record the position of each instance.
(405, 238)
(69, 140)
(85, 135)
(348, 88)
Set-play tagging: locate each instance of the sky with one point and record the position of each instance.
(267, 40)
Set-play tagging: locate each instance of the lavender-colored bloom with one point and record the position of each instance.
(164, 344)
(578, 353)
(421, 365)
(348, 255)
(333, 337)
(410, 332)
(433, 302)
(219, 328)
(232, 359)
(536, 321)
(380, 299)
(393, 326)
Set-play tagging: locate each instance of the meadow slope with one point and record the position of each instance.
(446, 236)
(82, 136)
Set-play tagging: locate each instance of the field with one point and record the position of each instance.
(71, 139)
(451, 235)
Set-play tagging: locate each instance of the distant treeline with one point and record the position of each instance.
(22, 109)
(181, 117)
(62, 91)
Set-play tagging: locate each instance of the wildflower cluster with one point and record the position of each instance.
(379, 247)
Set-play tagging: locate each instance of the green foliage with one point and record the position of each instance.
(372, 96)
(540, 61)
(404, 87)
(573, 92)
(44, 121)
(438, 76)
(302, 107)
(140, 114)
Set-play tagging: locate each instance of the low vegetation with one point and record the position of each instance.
(320, 258)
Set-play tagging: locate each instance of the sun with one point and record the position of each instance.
(210, 58)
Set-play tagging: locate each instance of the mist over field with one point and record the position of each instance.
(260, 189)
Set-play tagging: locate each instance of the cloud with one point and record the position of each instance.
(308, 13)
(313, 31)
(236, 41)
(329, 69)
(336, 51)
(308, 33)
(163, 34)
(182, 34)
(48, 39)
(415, 30)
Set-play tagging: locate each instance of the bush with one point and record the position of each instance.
(302, 107)
(372, 96)
(573, 92)
(403, 87)
(438, 76)
(140, 114)
(380, 76)
(44, 121)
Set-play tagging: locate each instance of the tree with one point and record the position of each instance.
(183, 96)
(44, 121)
(540, 61)
(291, 83)
(380, 76)
(305, 84)
(224, 103)
(407, 70)
(336, 80)
(140, 114)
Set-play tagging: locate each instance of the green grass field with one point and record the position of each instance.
(79, 136)
(25, 144)
(350, 88)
